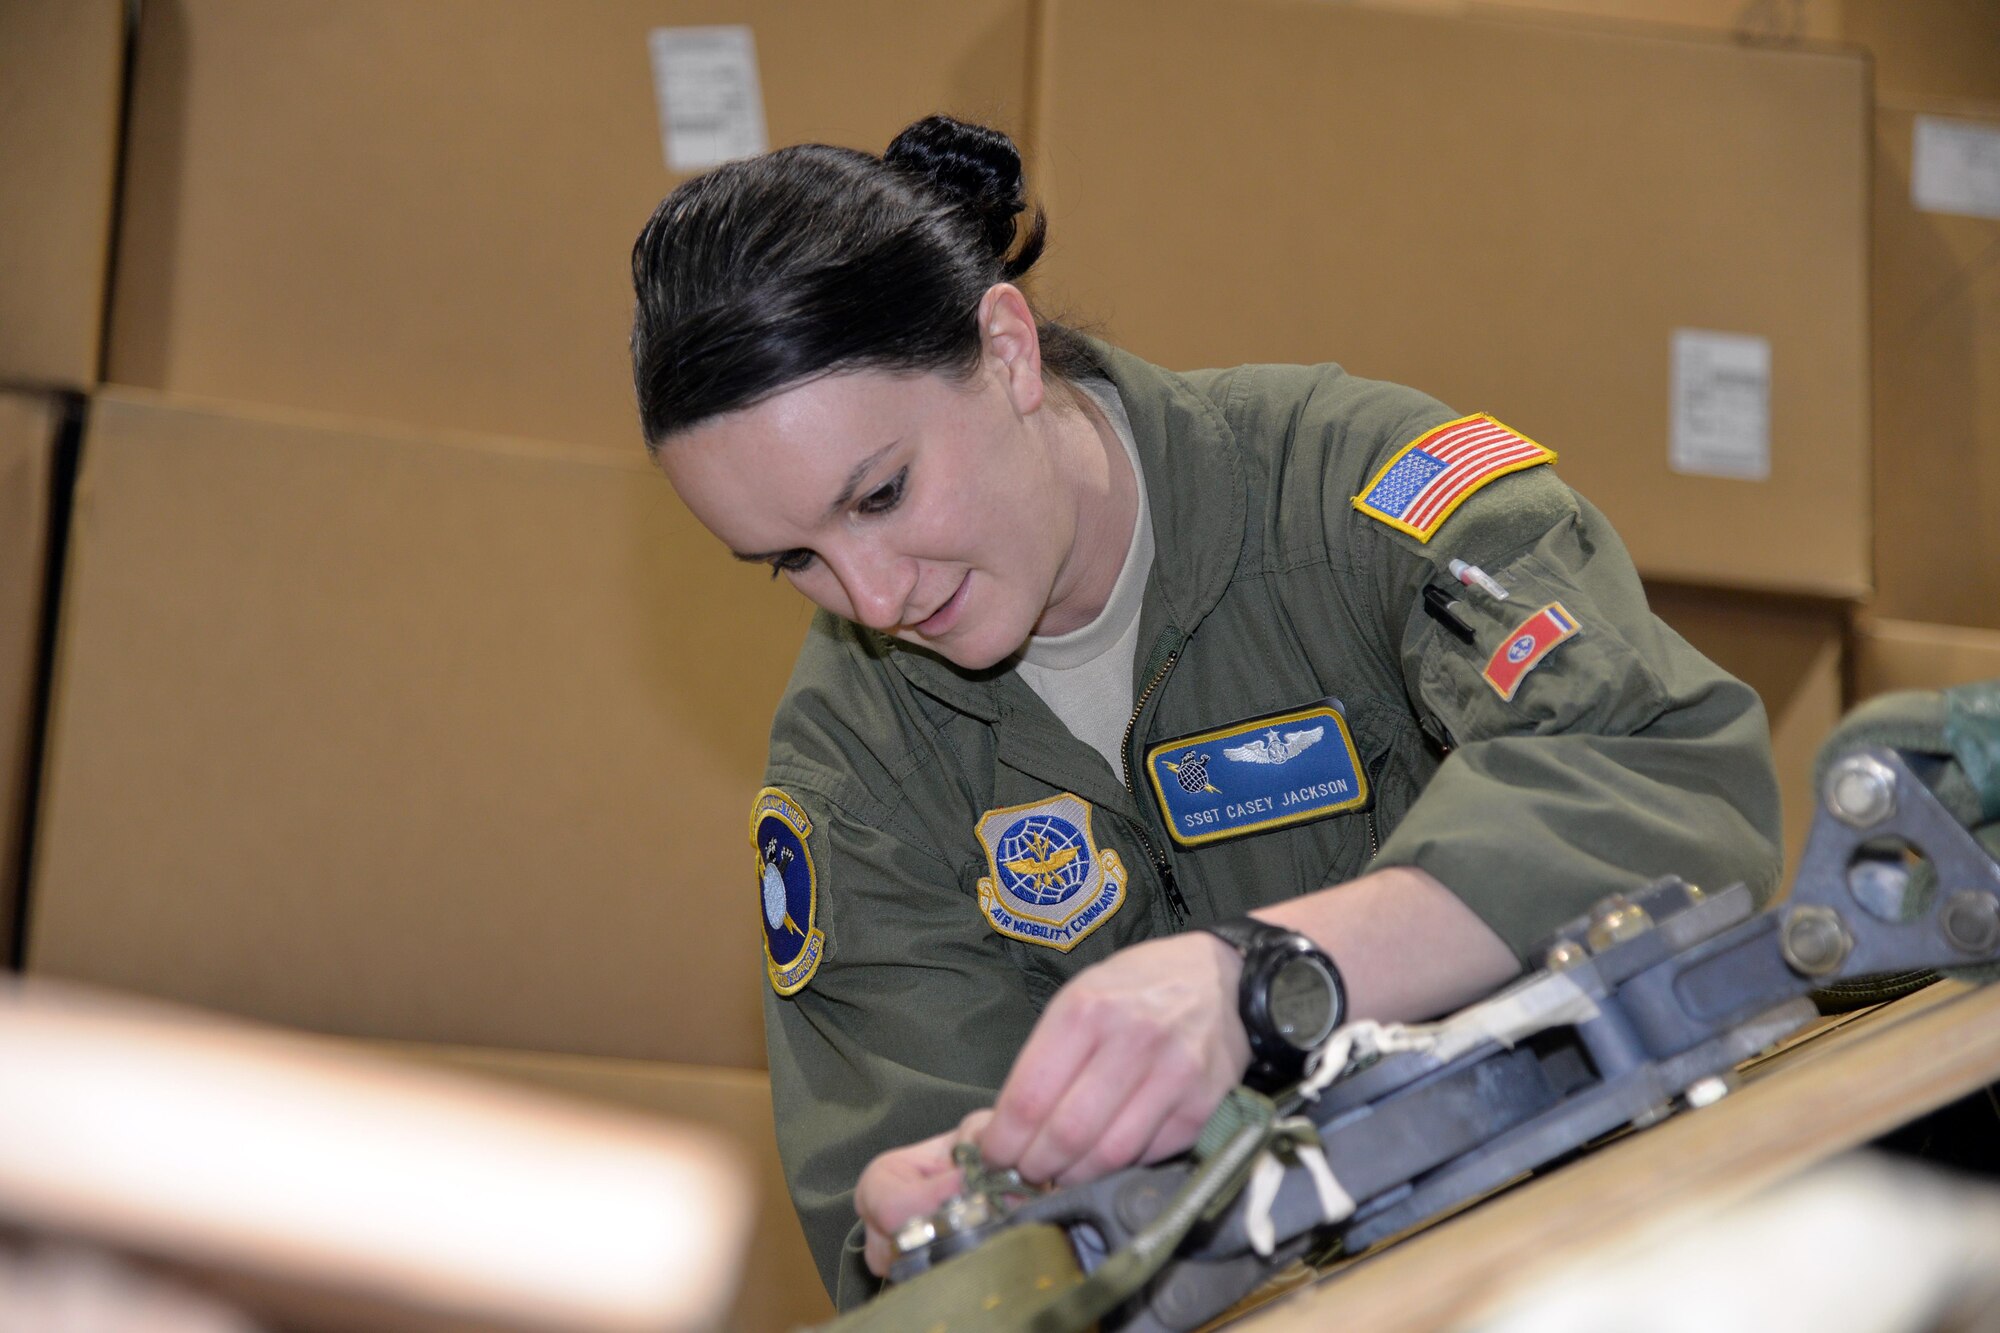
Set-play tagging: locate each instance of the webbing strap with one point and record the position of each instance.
(1972, 731)
(1227, 1150)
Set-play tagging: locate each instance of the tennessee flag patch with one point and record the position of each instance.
(1417, 490)
(1532, 640)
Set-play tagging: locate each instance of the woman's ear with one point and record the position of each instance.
(1009, 345)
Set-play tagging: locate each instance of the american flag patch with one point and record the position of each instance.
(1416, 491)
(1525, 648)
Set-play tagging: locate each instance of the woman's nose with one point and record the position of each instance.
(878, 587)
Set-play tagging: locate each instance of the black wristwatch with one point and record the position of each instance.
(1291, 998)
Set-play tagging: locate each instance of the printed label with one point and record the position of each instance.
(1955, 167)
(1722, 405)
(711, 103)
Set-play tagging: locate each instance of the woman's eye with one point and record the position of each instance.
(791, 562)
(886, 496)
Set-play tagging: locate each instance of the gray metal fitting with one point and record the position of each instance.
(1861, 791)
(1814, 940)
(1971, 922)
(1707, 1091)
(1615, 920)
(916, 1233)
(1564, 953)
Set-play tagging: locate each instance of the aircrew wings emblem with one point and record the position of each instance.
(789, 885)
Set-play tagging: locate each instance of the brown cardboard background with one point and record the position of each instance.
(1928, 48)
(1790, 652)
(1909, 655)
(1937, 391)
(62, 65)
(782, 1289)
(1511, 216)
(424, 213)
(28, 424)
(444, 739)
(1750, 20)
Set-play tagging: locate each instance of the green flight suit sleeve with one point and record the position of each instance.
(908, 1023)
(1622, 756)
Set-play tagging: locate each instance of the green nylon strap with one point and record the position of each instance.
(997, 1288)
(1972, 733)
(1025, 1279)
(1227, 1150)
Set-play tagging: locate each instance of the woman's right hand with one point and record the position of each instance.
(909, 1182)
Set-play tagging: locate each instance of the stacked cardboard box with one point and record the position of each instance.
(29, 426)
(1646, 248)
(1937, 395)
(424, 212)
(61, 75)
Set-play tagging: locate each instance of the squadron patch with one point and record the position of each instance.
(1532, 640)
(1049, 882)
(1417, 490)
(793, 942)
(1260, 773)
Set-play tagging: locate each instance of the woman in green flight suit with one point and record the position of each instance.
(1108, 656)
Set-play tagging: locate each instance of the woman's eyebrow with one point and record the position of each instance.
(854, 478)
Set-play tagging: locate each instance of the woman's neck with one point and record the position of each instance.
(1104, 492)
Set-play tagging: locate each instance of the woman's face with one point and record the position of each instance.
(930, 509)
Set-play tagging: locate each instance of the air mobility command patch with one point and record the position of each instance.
(793, 942)
(1049, 881)
(1523, 651)
(1260, 773)
(1417, 490)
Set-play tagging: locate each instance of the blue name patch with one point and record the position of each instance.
(1257, 774)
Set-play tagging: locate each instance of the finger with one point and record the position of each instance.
(1161, 1094)
(1178, 1131)
(895, 1200)
(1072, 1130)
(1061, 1044)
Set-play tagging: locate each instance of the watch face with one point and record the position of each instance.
(1302, 1002)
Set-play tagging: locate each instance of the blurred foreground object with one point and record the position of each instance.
(315, 1178)
(1862, 1245)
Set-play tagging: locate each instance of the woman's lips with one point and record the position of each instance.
(941, 620)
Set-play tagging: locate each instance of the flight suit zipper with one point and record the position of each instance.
(1175, 902)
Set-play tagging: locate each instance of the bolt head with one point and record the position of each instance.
(1564, 953)
(1861, 791)
(1614, 921)
(1814, 940)
(1971, 922)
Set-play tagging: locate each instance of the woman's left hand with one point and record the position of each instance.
(1125, 1065)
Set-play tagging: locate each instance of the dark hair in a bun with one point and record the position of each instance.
(777, 269)
(982, 168)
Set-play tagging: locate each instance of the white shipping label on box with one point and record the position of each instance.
(1955, 167)
(711, 102)
(1721, 404)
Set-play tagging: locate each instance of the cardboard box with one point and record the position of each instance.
(1518, 218)
(1747, 20)
(1908, 655)
(1937, 367)
(1791, 652)
(425, 213)
(1928, 48)
(783, 1289)
(62, 70)
(28, 429)
(379, 734)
